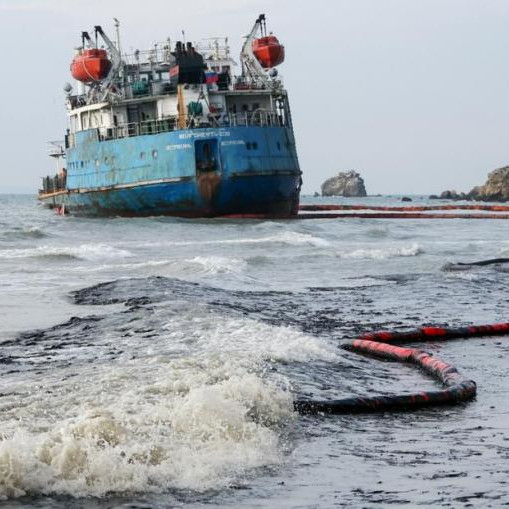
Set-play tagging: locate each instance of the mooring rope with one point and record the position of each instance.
(456, 387)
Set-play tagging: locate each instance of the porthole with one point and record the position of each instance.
(279, 145)
(142, 155)
(255, 146)
(82, 164)
(248, 145)
(97, 163)
(105, 159)
(155, 153)
(113, 160)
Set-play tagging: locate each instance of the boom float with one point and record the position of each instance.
(379, 212)
(413, 212)
(417, 208)
(457, 388)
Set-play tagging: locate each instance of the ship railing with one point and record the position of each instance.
(56, 149)
(148, 89)
(257, 118)
(244, 84)
(138, 128)
(53, 184)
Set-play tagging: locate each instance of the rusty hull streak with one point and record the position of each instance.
(208, 185)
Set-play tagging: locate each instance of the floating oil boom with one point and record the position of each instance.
(174, 131)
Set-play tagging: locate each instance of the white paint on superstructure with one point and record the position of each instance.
(167, 107)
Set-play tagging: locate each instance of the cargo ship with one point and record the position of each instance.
(175, 131)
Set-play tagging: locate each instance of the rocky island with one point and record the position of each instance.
(496, 188)
(346, 183)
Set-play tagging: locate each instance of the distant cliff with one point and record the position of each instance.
(346, 183)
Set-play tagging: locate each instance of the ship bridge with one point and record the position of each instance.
(170, 87)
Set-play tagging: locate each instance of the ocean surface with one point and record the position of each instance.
(154, 362)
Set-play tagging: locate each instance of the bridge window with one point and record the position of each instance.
(142, 155)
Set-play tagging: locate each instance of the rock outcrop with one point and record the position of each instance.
(346, 183)
(453, 195)
(496, 187)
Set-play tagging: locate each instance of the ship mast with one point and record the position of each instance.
(116, 61)
(250, 64)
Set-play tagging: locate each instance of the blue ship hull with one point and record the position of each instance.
(190, 173)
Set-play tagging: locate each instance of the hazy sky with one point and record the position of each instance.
(411, 93)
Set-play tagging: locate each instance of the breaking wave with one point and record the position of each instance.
(200, 411)
(151, 441)
(198, 265)
(91, 252)
(285, 238)
(217, 264)
(382, 254)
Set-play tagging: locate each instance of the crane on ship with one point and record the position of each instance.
(96, 67)
(260, 55)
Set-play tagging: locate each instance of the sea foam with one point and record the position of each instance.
(197, 411)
